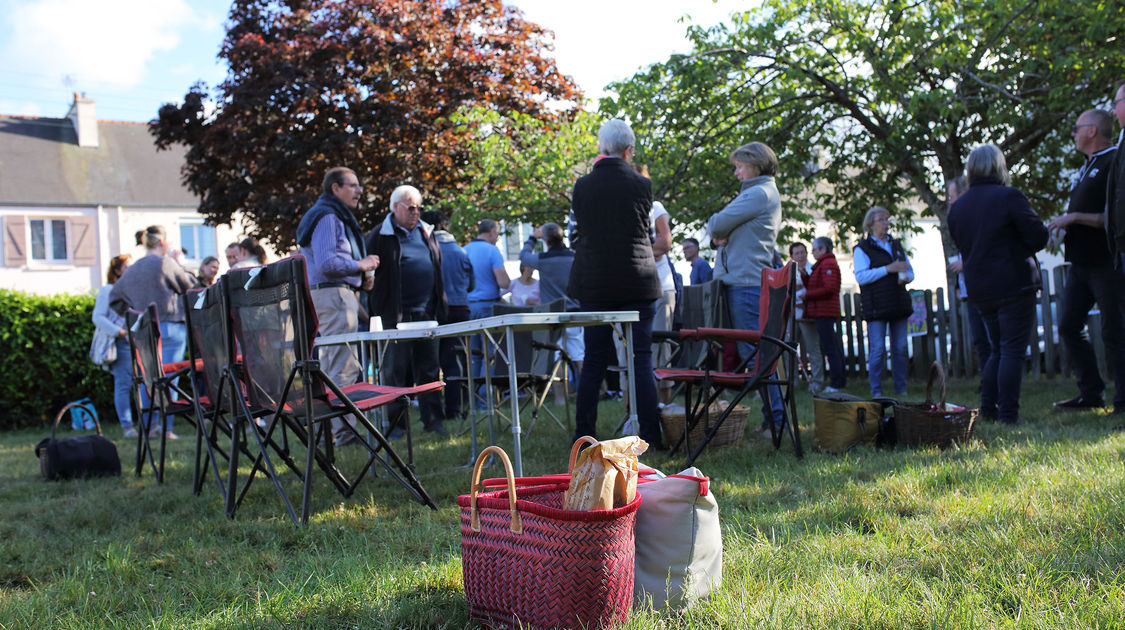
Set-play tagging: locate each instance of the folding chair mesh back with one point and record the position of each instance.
(265, 303)
(144, 337)
(211, 340)
(773, 317)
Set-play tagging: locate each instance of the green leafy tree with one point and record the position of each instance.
(369, 84)
(876, 102)
(522, 167)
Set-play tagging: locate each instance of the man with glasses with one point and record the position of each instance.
(1091, 278)
(409, 288)
(338, 266)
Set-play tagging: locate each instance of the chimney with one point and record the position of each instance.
(85, 122)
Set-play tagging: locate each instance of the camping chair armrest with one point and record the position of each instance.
(672, 335)
(180, 367)
(729, 334)
(546, 345)
(780, 342)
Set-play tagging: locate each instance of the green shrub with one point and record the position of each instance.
(44, 358)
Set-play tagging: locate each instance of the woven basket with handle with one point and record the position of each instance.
(527, 563)
(938, 423)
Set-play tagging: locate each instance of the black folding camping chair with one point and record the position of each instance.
(275, 325)
(774, 347)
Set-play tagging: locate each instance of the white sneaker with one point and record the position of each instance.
(130, 432)
(829, 390)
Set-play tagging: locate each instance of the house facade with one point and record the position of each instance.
(73, 193)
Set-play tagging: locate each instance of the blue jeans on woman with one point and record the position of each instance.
(1008, 323)
(744, 303)
(122, 370)
(173, 344)
(877, 354)
(599, 351)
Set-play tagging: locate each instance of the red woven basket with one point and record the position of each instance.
(528, 563)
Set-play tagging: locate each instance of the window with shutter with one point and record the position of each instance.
(84, 242)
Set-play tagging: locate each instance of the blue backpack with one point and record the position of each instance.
(83, 417)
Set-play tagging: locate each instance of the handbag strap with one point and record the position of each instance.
(89, 409)
(937, 371)
(516, 525)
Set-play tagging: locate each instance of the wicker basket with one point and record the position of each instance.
(927, 423)
(730, 432)
(528, 563)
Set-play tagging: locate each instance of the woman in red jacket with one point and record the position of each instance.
(822, 304)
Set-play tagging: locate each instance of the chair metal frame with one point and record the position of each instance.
(303, 400)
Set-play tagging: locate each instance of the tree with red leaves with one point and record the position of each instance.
(368, 84)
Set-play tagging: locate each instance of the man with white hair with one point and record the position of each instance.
(614, 270)
(408, 288)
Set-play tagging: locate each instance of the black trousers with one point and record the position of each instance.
(451, 356)
(413, 363)
(1086, 286)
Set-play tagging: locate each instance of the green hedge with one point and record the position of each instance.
(44, 359)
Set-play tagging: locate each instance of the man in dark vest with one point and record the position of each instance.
(1091, 278)
(882, 271)
(338, 266)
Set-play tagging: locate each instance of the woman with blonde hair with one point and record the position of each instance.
(882, 271)
(746, 229)
(157, 278)
(113, 325)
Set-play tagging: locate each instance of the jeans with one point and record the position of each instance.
(122, 370)
(877, 353)
(744, 303)
(810, 342)
(1008, 323)
(833, 350)
(479, 310)
(599, 350)
(978, 334)
(1086, 286)
(173, 344)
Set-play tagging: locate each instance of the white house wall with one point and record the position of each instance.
(116, 227)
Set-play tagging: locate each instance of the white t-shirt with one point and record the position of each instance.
(521, 292)
(663, 269)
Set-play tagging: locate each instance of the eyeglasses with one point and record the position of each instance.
(413, 208)
(1116, 101)
(1075, 128)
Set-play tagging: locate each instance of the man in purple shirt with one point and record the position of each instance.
(338, 265)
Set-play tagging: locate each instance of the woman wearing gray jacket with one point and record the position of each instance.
(746, 229)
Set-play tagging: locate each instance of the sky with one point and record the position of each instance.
(131, 56)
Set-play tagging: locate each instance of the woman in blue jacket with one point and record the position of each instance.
(998, 234)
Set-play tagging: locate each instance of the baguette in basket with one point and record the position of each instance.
(605, 476)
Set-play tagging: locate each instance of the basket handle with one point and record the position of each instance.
(936, 371)
(89, 409)
(516, 526)
(585, 439)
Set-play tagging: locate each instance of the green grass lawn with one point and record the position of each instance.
(1023, 528)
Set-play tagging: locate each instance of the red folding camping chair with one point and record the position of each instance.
(160, 381)
(275, 325)
(774, 347)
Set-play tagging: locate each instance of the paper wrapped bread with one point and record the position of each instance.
(605, 475)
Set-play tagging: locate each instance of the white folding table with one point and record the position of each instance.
(491, 328)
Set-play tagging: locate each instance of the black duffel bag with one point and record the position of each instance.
(77, 457)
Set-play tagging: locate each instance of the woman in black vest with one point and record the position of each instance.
(882, 271)
(998, 234)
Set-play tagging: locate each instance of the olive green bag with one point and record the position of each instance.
(843, 421)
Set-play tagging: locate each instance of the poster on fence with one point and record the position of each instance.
(916, 323)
